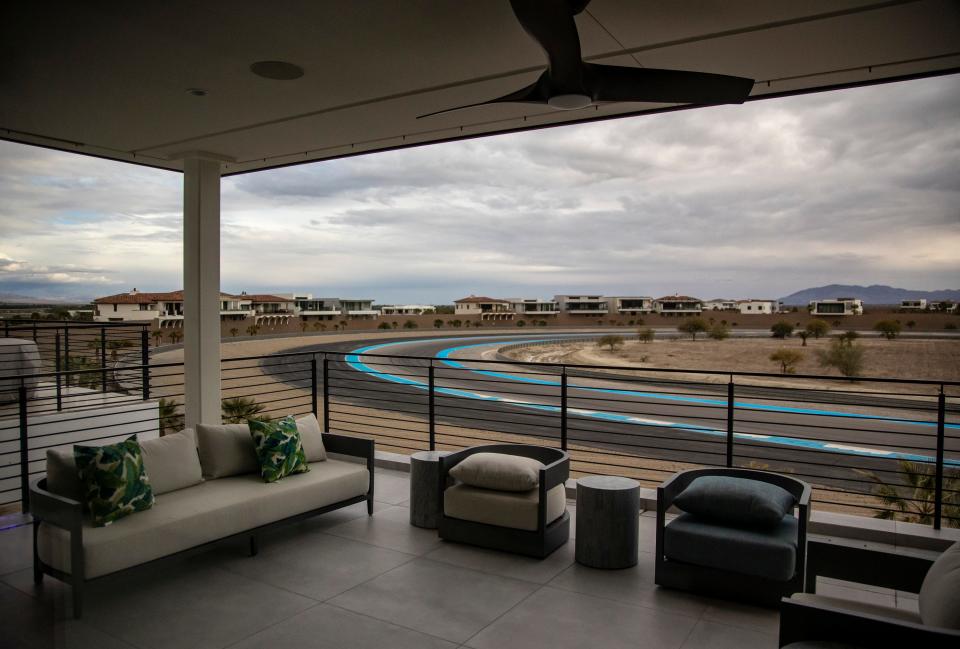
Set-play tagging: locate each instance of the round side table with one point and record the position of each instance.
(608, 522)
(424, 487)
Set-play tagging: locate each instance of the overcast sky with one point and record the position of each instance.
(859, 186)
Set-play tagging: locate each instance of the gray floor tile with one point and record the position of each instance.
(631, 586)
(505, 564)
(391, 529)
(36, 624)
(558, 619)
(766, 620)
(16, 548)
(391, 487)
(442, 600)
(316, 565)
(329, 627)
(197, 608)
(713, 635)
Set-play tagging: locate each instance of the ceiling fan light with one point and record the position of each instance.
(569, 102)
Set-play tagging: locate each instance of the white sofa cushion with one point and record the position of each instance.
(62, 476)
(516, 509)
(940, 591)
(226, 450)
(498, 471)
(171, 462)
(205, 512)
(312, 438)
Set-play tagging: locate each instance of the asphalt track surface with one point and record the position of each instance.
(820, 435)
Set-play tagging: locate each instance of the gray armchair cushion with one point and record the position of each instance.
(769, 553)
(226, 450)
(498, 471)
(940, 592)
(736, 501)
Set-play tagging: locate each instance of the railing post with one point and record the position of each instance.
(66, 354)
(313, 385)
(326, 394)
(431, 408)
(145, 363)
(24, 450)
(58, 369)
(938, 480)
(34, 331)
(103, 359)
(563, 407)
(730, 407)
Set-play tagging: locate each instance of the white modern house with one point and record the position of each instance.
(913, 305)
(359, 309)
(487, 308)
(582, 304)
(533, 307)
(406, 309)
(841, 306)
(630, 305)
(316, 308)
(720, 304)
(679, 305)
(758, 307)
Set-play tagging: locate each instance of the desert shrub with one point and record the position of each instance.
(781, 329)
(889, 329)
(692, 327)
(521, 323)
(383, 325)
(788, 359)
(719, 332)
(645, 335)
(611, 341)
(844, 355)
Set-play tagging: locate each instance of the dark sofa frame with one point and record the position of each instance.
(724, 583)
(539, 543)
(817, 621)
(49, 508)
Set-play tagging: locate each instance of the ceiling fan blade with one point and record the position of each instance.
(616, 83)
(532, 94)
(551, 24)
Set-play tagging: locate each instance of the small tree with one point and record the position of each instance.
(157, 337)
(438, 323)
(383, 325)
(911, 324)
(645, 335)
(788, 359)
(844, 355)
(611, 341)
(253, 330)
(847, 337)
(409, 324)
(175, 336)
(889, 329)
(719, 332)
(782, 329)
(914, 501)
(818, 328)
(395, 324)
(234, 331)
(303, 325)
(521, 323)
(803, 334)
(693, 326)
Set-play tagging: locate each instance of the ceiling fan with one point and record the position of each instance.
(570, 83)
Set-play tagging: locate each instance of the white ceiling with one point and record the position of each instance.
(111, 79)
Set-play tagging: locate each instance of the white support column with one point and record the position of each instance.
(201, 290)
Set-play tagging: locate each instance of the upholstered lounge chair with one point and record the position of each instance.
(533, 522)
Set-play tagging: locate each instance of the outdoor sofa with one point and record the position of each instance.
(207, 489)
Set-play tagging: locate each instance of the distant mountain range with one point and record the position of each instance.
(15, 298)
(875, 294)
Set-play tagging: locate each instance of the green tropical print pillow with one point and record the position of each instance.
(113, 479)
(279, 448)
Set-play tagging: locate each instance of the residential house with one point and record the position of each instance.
(358, 309)
(316, 308)
(407, 309)
(629, 305)
(678, 305)
(487, 308)
(533, 307)
(272, 310)
(841, 306)
(913, 305)
(165, 308)
(759, 307)
(589, 305)
(720, 304)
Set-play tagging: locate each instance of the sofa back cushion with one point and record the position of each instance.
(498, 471)
(172, 462)
(733, 501)
(62, 477)
(940, 593)
(226, 450)
(312, 438)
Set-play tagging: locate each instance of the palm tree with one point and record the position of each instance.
(317, 326)
(252, 330)
(157, 337)
(175, 336)
(234, 331)
(170, 419)
(114, 345)
(913, 502)
(238, 410)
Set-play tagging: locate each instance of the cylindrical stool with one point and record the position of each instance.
(424, 487)
(608, 521)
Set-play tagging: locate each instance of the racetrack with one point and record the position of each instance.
(820, 434)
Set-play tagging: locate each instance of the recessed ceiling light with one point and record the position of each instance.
(278, 70)
(197, 92)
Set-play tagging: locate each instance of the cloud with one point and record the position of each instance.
(857, 186)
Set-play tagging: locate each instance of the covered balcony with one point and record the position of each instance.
(205, 92)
